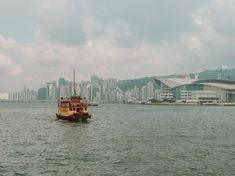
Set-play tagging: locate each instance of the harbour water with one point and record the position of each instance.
(119, 139)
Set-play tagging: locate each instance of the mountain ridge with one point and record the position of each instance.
(228, 73)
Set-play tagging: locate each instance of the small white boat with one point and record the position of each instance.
(93, 103)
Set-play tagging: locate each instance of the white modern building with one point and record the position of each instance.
(208, 90)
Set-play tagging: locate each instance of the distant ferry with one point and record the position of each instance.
(74, 108)
(93, 103)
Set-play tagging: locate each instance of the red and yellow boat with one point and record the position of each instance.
(74, 108)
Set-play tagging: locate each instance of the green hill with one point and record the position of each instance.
(213, 74)
(130, 84)
(207, 74)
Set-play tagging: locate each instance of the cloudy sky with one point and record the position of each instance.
(41, 40)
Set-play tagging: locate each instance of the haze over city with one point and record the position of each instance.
(42, 40)
(154, 92)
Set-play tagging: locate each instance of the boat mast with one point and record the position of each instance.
(91, 91)
(74, 87)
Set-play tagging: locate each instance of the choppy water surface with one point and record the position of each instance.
(119, 140)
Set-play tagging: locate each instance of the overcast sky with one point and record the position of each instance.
(41, 40)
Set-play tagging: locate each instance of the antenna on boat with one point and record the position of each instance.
(74, 86)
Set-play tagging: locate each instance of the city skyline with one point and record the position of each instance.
(40, 40)
(56, 79)
(167, 88)
(97, 89)
(141, 90)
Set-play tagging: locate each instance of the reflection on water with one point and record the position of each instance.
(118, 140)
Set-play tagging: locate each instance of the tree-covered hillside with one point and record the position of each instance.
(213, 74)
(130, 84)
(207, 74)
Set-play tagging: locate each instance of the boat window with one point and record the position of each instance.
(77, 109)
(70, 109)
(64, 104)
(85, 109)
(74, 109)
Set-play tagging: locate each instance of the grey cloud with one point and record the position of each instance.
(16, 20)
(216, 33)
(150, 20)
(127, 39)
(62, 21)
(220, 14)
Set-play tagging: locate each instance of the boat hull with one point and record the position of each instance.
(73, 118)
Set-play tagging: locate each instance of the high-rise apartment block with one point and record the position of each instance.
(150, 90)
(25, 95)
(96, 89)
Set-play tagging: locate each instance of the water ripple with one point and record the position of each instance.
(118, 140)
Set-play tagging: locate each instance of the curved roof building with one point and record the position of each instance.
(207, 90)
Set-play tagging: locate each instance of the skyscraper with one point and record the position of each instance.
(144, 92)
(61, 81)
(51, 89)
(136, 92)
(150, 92)
(42, 93)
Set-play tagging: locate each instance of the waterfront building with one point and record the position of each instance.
(136, 92)
(150, 93)
(42, 93)
(95, 80)
(61, 81)
(110, 84)
(51, 90)
(157, 94)
(62, 92)
(65, 88)
(120, 97)
(84, 89)
(129, 95)
(113, 95)
(54, 93)
(144, 93)
(25, 95)
(208, 90)
(70, 88)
